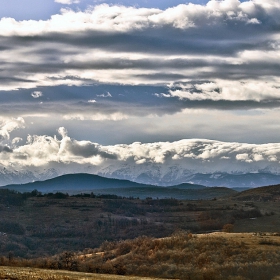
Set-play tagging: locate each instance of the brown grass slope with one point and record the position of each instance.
(187, 256)
(20, 273)
(267, 193)
(216, 256)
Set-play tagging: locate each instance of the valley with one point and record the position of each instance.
(109, 233)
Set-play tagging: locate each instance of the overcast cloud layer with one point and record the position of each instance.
(114, 74)
(215, 51)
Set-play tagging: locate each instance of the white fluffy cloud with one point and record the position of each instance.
(228, 90)
(204, 156)
(36, 94)
(7, 125)
(121, 18)
(67, 2)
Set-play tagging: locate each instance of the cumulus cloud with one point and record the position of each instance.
(16, 140)
(36, 94)
(228, 90)
(84, 149)
(7, 125)
(63, 132)
(190, 155)
(121, 18)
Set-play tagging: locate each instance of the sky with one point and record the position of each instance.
(98, 83)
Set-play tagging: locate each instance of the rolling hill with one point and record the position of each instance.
(82, 182)
(86, 183)
(267, 193)
(74, 183)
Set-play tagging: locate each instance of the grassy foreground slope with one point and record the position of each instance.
(19, 273)
(186, 256)
(215, 256)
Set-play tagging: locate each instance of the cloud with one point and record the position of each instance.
(219, 15)
(243, 157)
(160, 69)
(16, 140)
(96, 116)
(225, 43)
(116, 74)
(67, 2)
(108, 94)
(5, 149)
(228, 90)
(36, 94)
(83, 149)
(7, 125)
(63, 132)
(189, 155)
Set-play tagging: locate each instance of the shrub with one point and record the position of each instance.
(228, 228)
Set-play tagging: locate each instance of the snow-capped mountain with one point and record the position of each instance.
(15, 177)
(11, 176)
(173, 175)
(199, 161)
(150, 173)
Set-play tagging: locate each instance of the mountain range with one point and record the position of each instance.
(150, 174)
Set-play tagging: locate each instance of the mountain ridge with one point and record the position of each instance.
(86, 183)
(90, 181)
(152, 174)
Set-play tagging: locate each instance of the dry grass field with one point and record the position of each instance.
(27, 273)
(213, 256)
(186, 256)
(126, 237)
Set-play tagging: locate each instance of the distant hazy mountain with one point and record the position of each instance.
(75, 182)
(247, 180)
(168, 175)
(85, 182)
(177, 175)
